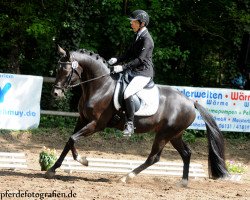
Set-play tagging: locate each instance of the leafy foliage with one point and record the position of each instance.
(47, 158)
(191, 37)
(235, 167)
(189, 137)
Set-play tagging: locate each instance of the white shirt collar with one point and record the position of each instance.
(140, 32)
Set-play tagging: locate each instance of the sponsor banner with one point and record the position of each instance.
(20, 97)
(230, 108)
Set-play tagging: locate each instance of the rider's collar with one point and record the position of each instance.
(140, 32)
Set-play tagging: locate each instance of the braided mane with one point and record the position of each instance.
(93, 55)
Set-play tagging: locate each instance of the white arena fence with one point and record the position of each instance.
(124, 166)
(12, 160)
(17, 161)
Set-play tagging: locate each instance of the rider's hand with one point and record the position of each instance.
(112, 61)
(118, 68)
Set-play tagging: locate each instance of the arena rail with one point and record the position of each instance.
(12, 160)
(124, 166)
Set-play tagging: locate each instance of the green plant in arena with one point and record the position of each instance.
(47, 158)
(235, 167)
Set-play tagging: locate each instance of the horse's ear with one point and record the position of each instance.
(61, 51)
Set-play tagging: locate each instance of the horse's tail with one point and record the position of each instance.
(216, 157)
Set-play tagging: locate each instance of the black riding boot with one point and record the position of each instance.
(130, 111)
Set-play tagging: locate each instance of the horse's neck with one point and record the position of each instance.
(97, 73)
(93, 66)
(93, 69)
(98, 90)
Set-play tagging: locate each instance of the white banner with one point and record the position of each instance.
(230, 108)
(20, 97)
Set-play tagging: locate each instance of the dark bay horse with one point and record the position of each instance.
(175, 113)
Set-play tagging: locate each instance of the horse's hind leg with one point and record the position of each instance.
(154, 156)
(185, 154)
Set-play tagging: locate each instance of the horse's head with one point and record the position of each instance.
(68, 73)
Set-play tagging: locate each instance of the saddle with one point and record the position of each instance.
(146, 101)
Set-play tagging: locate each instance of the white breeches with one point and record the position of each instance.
(137, 84)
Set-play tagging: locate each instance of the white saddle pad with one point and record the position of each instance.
(149, 101)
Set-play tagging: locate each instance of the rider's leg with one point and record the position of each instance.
(130, 111)
(136, 84)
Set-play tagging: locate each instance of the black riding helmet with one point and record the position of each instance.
(140, 15)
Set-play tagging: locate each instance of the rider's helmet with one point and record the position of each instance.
(140, 15)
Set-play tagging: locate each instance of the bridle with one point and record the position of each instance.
(74, 66)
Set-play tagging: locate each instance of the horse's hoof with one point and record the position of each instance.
(123, 179)
(50, 174)
(183, 183)
(82, 160)
(127, 178)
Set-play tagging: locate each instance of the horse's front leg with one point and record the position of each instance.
(87, 130)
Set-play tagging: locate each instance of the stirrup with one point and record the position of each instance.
(129, 129)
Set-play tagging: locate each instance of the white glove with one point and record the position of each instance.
(118, 68)
(112, 61)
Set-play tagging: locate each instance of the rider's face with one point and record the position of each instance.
(135, 25)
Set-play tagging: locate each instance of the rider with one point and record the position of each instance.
(139, 65)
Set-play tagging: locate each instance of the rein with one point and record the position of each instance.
(74, 65)
(93, 79)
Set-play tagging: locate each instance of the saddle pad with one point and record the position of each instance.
(149, 101)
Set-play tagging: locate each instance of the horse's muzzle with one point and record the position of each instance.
(57, 92)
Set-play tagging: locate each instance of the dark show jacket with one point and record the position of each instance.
(139, 56)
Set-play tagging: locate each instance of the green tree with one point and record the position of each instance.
(27, 32)
(211, 31)
(193, 38)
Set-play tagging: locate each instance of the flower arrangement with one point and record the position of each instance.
(47, 158)
(235, 168)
